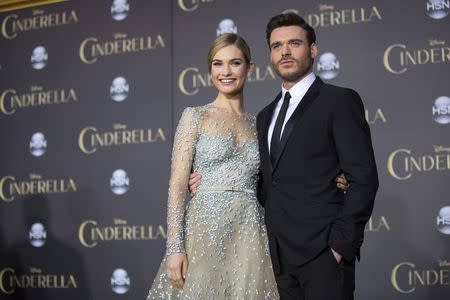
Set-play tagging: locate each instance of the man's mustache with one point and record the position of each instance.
(284, 58)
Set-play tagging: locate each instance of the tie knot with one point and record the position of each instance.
(287, 97)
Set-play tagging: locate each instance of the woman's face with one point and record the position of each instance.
(229, 70)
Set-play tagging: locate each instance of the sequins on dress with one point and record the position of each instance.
(222, 228)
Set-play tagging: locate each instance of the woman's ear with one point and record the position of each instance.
(250, 68)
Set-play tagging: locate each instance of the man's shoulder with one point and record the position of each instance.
(331, 88)
(338, 93)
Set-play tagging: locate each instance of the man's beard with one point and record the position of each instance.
(300, 72)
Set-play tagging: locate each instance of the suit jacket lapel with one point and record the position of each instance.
(302, 107)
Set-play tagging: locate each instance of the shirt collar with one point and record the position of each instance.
(300, 88)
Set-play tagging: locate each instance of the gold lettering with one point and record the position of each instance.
(268, 72)
(445, 55)
(427, 163)
(4, 25)
(328, 17)
(71, 186)
(3, 108)
(128, 233)
(444, 277)
(117, 233)
(375, 13)
(81, 140)
(313, 20)
(423, 56)
(36, 22)
(390, 164)
(35, 98)
(72, 282)
(182, 5)
(3, 288)
(82, 51)
(2, 186)
(91, 49)
(382, 223)
(181, 82)
(35, 187)
(118, 137)
(38, 280)
(81, 234)
(386, 60)
(129, 137)
(440, 162)
(394, 279)
(413, 163)
(378, 116)
(415, 57)
(161, 232)
(160, 135)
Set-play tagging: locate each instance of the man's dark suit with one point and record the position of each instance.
(305, 213)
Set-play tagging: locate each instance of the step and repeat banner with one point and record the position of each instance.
(90, 95)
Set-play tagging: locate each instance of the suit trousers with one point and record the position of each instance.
(322, 278)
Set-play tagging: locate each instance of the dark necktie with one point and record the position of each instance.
(276, 135)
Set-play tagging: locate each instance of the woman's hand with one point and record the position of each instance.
(176, 268)
(194, 182)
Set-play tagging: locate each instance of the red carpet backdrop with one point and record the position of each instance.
(91, 92)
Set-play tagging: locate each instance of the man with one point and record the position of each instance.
(310, 133)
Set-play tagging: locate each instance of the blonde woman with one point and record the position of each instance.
(217, 244)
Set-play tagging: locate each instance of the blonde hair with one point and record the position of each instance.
(225, 40)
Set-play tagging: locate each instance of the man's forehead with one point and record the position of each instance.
(287, 32)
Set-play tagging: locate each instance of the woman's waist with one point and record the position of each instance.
(228, 181)
(205, 188)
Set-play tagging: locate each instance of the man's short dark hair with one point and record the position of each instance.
(290, 19)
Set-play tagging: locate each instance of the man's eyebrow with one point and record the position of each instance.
(274, 43)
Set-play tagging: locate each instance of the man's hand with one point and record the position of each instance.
(337, 256)
(194, 182)
(341, 182)
(176, 268)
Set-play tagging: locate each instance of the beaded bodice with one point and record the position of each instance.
(219, 145)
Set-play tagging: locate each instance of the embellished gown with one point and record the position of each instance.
(221, 229)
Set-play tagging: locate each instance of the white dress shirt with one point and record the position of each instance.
(297, 92)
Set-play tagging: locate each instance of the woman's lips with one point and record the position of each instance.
(227, 81)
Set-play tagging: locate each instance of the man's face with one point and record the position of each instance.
(290, 53)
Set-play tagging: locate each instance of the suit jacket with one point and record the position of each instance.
(304, 211)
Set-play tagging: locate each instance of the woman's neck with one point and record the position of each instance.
(233, 104)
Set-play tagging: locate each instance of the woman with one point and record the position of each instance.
(217, 247)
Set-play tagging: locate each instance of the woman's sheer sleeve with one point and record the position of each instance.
(182, 157)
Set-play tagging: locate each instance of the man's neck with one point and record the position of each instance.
(289, 84)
